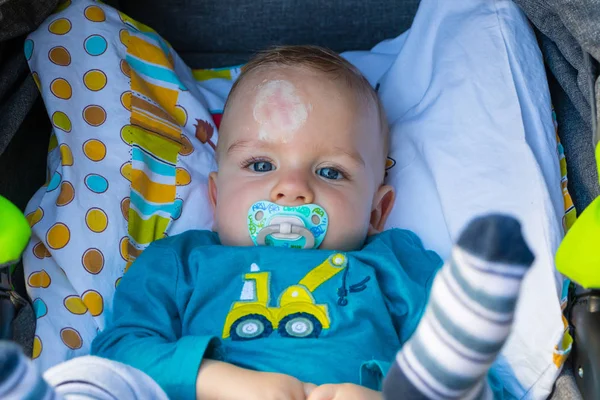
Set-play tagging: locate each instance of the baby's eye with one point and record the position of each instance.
(329, 173)
(262, 166)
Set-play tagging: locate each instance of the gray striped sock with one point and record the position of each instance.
(469, 315)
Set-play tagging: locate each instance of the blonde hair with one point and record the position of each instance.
(319, 59)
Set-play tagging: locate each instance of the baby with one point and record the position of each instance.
(299, 293)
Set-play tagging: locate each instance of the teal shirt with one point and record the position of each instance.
(318, 315)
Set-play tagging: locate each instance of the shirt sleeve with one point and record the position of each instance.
(145, 328)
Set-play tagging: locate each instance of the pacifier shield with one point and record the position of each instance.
(299, 227)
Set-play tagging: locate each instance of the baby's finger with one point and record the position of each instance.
(308, 388)
(323, 392)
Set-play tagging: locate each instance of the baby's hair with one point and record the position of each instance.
(322, 60)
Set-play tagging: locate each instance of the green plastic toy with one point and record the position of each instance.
(14, 233)
(578, 256)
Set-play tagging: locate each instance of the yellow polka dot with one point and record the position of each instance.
(61, 88)
(127, 134)
(126, 100)
(37, 347)
(126, 171)
(186, 146)
(39, 279)
(53, 143)
(94, 149)
(60, 26)
(61, 121)
(180, 115)
(182, 177)
(62, 6)
(123, 248)
(36, 79)
(127, 266)
(58, 236)
(96, 220)
(94, 80)
(75, 305)
(124, 36)
(66, 155)
(59, 56)
(67, 194)
(35, 216)
(117, 282)
(71, 338)
(94, 115)
(94, 302)
(94, 14)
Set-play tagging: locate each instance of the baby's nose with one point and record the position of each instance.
(292, 191)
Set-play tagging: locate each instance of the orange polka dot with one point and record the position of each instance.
(95, 80)
(125, 208)
(123, 248)
(94, 14)
(61, 121)
(94, 115)
(39, 279)
(61, 88)
(60, 56)
(75, 305)
(182, 177)
(96, 220)
(67, 194)
(35, 216)
(127, 266)
(58, 236)
(66, 155)
(71, 338)
(40, 251)
(124, 37)
(186, 146)
(126, 100)
(125, 68)
(60, 26)
(94, 149)
(37, 81)
(93, 261)
(126, 171)
(94, 302)
(37, 347)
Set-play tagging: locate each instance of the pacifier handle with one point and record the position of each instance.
(286, 228)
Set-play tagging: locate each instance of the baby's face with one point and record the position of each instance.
(292, 137)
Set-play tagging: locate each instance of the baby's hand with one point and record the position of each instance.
(344, 391)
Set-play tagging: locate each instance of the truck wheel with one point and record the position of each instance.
(251, 326)
(300, 325)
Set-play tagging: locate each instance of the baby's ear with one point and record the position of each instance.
(212, 191)
(383, 202)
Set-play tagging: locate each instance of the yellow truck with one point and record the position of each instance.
(297, 315)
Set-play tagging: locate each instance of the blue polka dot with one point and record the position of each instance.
(39, 308)
(54, 182)
(95, 45)
(28, 49)
(96, 183)
(177, 206)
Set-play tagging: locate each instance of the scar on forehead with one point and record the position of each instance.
(279, 110)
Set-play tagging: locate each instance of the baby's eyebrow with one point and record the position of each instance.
(242, 144)
(354, 155)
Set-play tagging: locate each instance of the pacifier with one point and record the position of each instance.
(299, 227)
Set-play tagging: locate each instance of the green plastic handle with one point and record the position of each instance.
(14, 232)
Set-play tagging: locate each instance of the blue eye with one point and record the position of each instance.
(329, 173)
(262, 166)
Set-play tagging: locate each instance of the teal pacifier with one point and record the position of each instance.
(299, 227)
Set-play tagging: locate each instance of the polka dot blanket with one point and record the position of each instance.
(134, 134)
